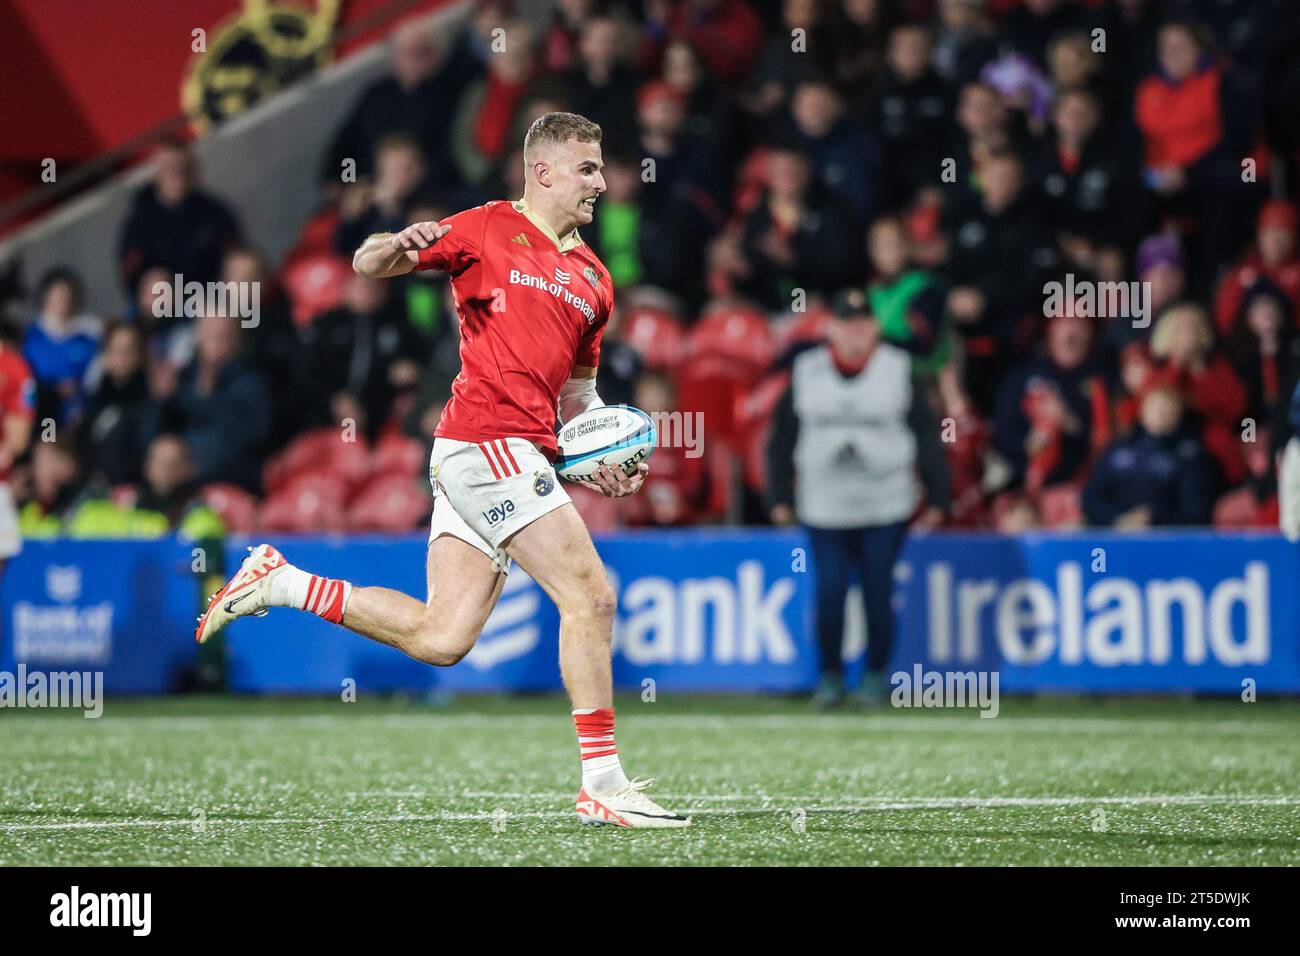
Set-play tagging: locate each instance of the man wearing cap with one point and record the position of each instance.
(848, 439)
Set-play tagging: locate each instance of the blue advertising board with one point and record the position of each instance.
(709, 609)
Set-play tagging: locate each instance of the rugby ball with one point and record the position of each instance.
(609, 435)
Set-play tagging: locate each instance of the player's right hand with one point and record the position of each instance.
(419, 235)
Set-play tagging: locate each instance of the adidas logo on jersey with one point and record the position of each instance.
(522, 240)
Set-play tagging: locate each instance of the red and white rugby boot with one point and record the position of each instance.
(245, 593)
(628, 807)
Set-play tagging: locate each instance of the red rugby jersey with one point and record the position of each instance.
(17, 390)
(530, 306)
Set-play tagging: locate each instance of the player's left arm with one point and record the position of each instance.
(578, 395)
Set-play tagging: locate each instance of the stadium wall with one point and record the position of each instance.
(263, 164)
(707, 610)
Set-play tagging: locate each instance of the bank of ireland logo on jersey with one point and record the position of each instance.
(543, 484)
(561, 276)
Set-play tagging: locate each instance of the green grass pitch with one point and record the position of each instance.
(491, 781)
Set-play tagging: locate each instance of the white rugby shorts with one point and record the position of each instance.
(11, 541)
(483, 492)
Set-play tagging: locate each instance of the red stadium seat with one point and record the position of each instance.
(237, 508)
(808, 327)
(322, 449)
(1061, 506)
(753, 417)
(656, 335)
(1240, 509)
(310, 503)
(396, 454)
(316, 236)
(315, 284)
(732, 341)
(394, 504)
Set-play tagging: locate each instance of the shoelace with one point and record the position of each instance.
(633, 793)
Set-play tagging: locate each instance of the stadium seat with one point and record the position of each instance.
(1240, 509)
(316, 236)
(753, 417)
(310, 503)
(237, 508)
(808, 327)
(394, 504)
(321, 449)
(397, 454)
(656, 335)
(1061, 506)
(315, 284)
(732, 341)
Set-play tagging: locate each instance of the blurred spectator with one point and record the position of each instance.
(367, 208)
(618, 233)
(358, 357)
(220, 406)
(858, 33)
(675, 489)
(908, 303)
(560, 44)
(727, 33)
(170, 492)
(600, 86)
(175, 224)
(1092, 189)
(964, 41)
(844, 155)
(984, 131)
(270, 339)
(1273, 257)
(1001, 252)
(799, 237)
(1031, 25)
(1183, 343)
(1157, 475)
(913, 112)
(1074, 67)
(488, 111)
(709, 117)
(785, 61)
(1195, 129)
(1023, 88)
(117, 411)
(60, 345)
(620, 365)
(1265, 349)
(56, 489)
(682, 171)
(847, 440)
(1019, 516)
(1051, 412)
(430, 71)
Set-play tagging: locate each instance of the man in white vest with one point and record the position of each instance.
(849, 438)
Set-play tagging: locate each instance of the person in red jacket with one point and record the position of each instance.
(1273, 258)
(727, 34)
(1193, 139)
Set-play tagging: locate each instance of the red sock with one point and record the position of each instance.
(601, 770)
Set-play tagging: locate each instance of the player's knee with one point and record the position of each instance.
(593, 600)
(437, 645)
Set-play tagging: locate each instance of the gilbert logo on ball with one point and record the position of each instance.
(615, 435)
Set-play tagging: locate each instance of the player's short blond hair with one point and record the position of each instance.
(557, 129)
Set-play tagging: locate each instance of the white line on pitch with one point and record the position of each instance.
(891, 803)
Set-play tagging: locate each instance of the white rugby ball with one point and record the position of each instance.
(610, 435)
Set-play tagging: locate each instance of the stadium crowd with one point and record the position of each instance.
(949, 158)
